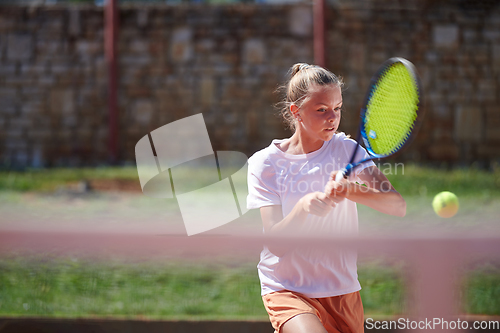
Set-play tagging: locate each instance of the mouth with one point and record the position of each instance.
(331, 129)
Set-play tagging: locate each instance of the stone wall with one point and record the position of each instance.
(455, 46)
(226, 62)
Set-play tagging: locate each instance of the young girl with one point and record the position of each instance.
(292, 182)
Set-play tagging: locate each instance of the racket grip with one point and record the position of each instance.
(341, 174)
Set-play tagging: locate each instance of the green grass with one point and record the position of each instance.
(481, 291)
(219, 290)
(410, 180)
(383, 289)
(50, 179)
(56, 287)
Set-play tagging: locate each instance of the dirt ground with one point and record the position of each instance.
(120, 208)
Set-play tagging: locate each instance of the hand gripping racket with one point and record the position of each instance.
(390, 112)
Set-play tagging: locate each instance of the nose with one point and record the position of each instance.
(332, 116)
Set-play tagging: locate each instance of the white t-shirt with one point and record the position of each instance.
(278, 178)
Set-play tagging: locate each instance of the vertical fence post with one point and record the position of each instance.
(319, 32)
(434, 288)
(110, 37)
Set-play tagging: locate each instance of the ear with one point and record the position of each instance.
(294, 109)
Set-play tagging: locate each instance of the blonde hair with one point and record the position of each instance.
(301, 77)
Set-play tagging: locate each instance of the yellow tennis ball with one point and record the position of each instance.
(445, 204)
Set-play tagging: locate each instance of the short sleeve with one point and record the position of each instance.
(361, 154)
(262, 183)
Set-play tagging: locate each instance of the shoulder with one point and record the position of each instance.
(346, 138)
(341, 139)
(268, 155)
(260, 157)
(262, 162)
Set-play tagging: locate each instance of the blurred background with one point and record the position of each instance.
(81, 81)
(225, 59)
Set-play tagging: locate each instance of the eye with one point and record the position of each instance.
(322, 110)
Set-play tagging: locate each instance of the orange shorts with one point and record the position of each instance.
(342, 313)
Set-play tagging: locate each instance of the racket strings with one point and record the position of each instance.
(391, 110)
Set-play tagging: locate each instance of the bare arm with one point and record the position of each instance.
(378, 193)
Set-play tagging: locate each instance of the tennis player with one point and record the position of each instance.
(292, 182)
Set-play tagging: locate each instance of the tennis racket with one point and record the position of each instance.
(390, 112)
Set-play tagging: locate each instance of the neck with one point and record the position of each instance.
(300, 143)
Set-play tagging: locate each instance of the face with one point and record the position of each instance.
(318, 117)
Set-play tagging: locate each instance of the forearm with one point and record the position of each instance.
(276, 225)
(387, 201)
(316, 203)
(290, 223)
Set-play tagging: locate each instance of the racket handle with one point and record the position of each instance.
(341, 174)
(345, 172)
